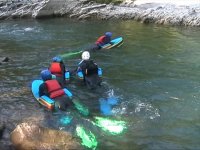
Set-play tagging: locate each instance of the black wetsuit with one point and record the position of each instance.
(90, 73)
(88, 67)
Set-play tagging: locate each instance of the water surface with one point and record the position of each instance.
(154, 75)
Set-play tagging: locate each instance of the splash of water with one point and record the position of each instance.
(28, 29)
(148, 109)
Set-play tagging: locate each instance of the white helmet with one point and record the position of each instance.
(85, 55)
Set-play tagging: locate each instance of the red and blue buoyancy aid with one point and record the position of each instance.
(54, 88)
(101, 40)
(55, 69)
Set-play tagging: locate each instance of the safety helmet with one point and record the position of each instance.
(85, 55)
(57, 59)
(46, 75)
(108, 34)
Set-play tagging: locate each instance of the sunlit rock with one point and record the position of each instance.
(30, 136)
(179, 12)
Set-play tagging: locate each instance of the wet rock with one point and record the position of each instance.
(3, 60)
(2, 128)
(31, 136)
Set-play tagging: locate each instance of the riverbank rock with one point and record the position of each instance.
(2, 127)
(31, 136)
(148, 12)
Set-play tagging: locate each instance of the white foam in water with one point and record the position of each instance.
(148, 109)
(120, 111)
(111, 93)
(28, 29)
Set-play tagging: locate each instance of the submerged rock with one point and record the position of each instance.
(4, 60)
(30, 136)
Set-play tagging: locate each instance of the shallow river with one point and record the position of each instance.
(155, 76)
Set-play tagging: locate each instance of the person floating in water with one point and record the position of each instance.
(53, 90)
(102, 40)
(89, 70)
(58, 69)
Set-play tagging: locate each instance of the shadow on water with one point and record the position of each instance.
(154, 75)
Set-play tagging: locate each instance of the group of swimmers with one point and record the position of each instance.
(56, 75)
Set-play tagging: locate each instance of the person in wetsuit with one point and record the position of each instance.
(53, 90)
(102, 40)
(58, 69)
(90, 70)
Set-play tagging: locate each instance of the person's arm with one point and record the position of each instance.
(95, 63)
(62, 66)
(83, 65)
(109, 41)
(43, 90)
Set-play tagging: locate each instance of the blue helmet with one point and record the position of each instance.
(46, 75)
(108, 34)
(57, 59)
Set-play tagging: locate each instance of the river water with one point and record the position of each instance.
(154, 75)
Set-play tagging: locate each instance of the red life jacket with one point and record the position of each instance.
(55, 69)
(54, 88)
(100, 40)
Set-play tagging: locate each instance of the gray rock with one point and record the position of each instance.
(31, 136)
(84, 9)
(4, 60)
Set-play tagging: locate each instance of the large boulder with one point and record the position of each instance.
(30, 136)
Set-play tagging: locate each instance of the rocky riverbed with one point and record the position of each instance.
(151, 11)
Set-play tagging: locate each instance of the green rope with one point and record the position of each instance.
(71, 54)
